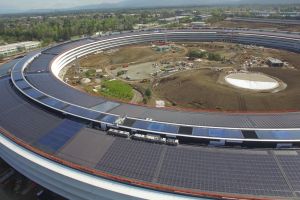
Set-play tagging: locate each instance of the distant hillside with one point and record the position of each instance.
(268, 1)
(158, 3)
(166, 3)
(202, 2)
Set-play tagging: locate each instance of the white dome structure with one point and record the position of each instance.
(252, 81)
(85, 81)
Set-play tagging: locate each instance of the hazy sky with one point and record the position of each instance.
(44, 4)
(18, 5)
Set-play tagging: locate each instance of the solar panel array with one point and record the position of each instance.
(21, 118)
(17, 76)
(62, 91)
(132, 159)
(53, 103)
(283, 135)
(40, 64)
(249, 134)
(155, 126)
(22, 84)
(128, 122)
(7, 66)
(107, 118)
(66, 46)
(11, 99)
(247, 172)
(291, 167)
(105, 106)
(211, 132)
(86, 148)
(223, 133)
(71, 94)
(223, 172)
(185, 130)
(33, 93)
(59, 136)
(81, 112)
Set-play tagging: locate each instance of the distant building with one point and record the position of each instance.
(270, 13)
(273, 62)
(145, 26)
(202, 17)
(261, 13)
(264, 20)
(290, 14)
(12, 49)
(179, 12)
(198, 24)
(172, 19)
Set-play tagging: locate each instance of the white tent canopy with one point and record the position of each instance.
(252, 81)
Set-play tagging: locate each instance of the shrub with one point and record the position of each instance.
(148, 93)
(120, 73)
(214, 56)
(197, 54)
(90, 73)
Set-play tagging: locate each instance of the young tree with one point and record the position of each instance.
(148, 93)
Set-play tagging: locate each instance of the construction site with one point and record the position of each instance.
(192, 75)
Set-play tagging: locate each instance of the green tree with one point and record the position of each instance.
(196, 54)
(214, 56)
(148, 93)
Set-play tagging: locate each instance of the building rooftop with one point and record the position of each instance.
(172, 18)
(274, 60)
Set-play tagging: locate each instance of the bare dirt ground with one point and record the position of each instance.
(125, 55)
(137, 97)
(251, 25)
(199, 89)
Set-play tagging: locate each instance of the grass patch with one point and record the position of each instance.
(90, 73)
(117, 89)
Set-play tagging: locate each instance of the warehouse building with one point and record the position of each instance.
(12, 49)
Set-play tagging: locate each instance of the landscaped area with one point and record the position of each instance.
(117, 89)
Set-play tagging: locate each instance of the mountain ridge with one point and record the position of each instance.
(152, 4)
(175, 3)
